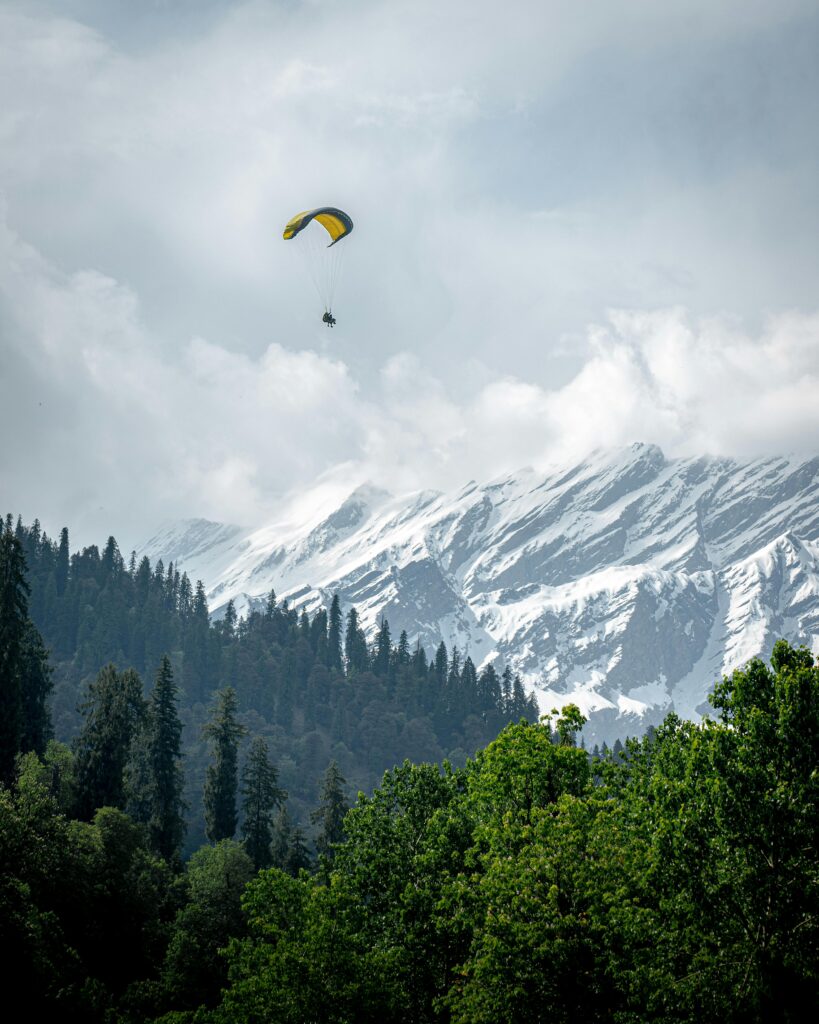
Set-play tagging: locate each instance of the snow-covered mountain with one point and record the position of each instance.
(627, 583)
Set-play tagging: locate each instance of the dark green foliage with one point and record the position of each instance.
(679, 883)
(224, 732)
(675, 881)
(355, 646)
(36, 688)
(114, 711)
(154, 774)
(25, 679)
(334, 658)
(194, 972)
(261, 794)
(288, 850)
(382, 649)
(84, 906)
(329, 815)
(294, 685)
(317, 966)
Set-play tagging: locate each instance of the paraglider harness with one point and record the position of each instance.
(329, 319)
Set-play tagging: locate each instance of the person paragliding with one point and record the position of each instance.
(310, 229)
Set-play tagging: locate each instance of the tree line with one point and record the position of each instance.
(674, 881)
(313, 686)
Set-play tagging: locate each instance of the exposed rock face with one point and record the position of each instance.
(627, 583)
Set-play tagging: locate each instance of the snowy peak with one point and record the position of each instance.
(627, 582)
(191, 540)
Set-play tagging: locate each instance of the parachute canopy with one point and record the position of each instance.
(310, 230)
(336, 222)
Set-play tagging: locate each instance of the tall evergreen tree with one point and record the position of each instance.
(441, 663)
(36, 687)
(419, 660)
(469, 685)
(196, 644)
(334, 634)
(261, 795)
(14, 592)
(298, 854)
(113, 712)
(229, 620)
(506, 692)
(355, 646)
(61, 569)
(520, 706)
(489, 691)
(224, 732)
(289, 848)
(25, 674)
(382, 649)
(162, 747)
(329, 815)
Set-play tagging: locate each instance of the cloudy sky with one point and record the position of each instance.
(576, 225)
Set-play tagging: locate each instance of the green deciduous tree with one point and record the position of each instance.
(194, 972)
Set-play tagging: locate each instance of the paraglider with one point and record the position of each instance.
(311, 230)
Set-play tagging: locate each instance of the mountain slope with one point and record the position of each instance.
(627, 582)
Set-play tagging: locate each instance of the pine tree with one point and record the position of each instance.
(329, 815)
(355, 646)
(14, 592)
(196, 646)
(402, 653)
(441, 663)
(489, 689)
(318, 636)
(419, 660)
(36, 687)
(304, 624)
(261, 795)
(61, 571)
(382, 650)
(289, 848)
(221, 781)
(166, 824)
(113, 712)
(453, 681)
(334, 635)
(520, 705)
(111, 558)
(469, 685)
(185, 600)
(229, 621)
(298, 854)
(506, 693)
(25, 674)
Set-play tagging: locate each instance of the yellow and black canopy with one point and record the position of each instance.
(336, 222)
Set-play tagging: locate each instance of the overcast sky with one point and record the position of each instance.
(575, 225)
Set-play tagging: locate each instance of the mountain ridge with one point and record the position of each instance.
(627, 582)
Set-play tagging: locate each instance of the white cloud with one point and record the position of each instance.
(514, 171)
(127, 431)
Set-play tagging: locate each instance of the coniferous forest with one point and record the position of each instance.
(179, 839)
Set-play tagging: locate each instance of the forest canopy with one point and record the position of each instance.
(674, 881)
